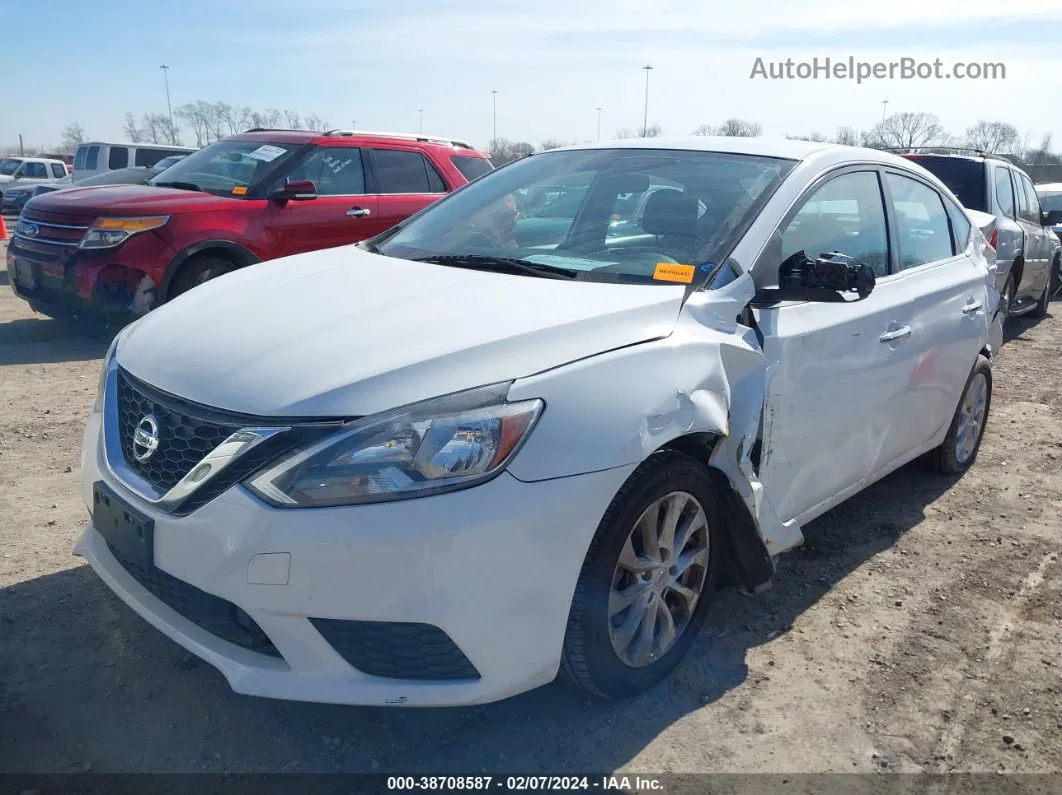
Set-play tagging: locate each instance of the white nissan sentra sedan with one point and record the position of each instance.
(535, 427)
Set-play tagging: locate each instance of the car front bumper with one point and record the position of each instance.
(494, 567)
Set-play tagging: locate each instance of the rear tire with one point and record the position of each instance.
(1006, 299)
(959, 449)
(1049, 291)
(197, 271)
(667, 484)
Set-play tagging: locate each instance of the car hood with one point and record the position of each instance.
(114, 200)
(342, 332)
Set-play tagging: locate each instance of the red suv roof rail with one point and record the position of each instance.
(431, 139)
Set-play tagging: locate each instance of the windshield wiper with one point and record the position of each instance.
(484, 262)
(179, 185)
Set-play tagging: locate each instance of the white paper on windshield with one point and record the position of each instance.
(572, 263)
(267, 153)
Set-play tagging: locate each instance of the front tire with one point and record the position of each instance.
(959, 450)
(1049, 291)
(197, 271)
(648, 579)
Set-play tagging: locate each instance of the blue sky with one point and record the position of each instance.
(553, 63)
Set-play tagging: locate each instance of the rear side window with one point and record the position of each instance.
(960, 225)
(964, 178)
(1004, 191)
(117, 157)
(58, 170)
(1022, 199)
(472, 167)
(1030, 197)
(92, 156)
(406, 172)
(922, 227)
(149, 157)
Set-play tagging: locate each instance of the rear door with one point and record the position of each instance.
(342, 213)
(405, 182)
(1039, 244)
(949, 306)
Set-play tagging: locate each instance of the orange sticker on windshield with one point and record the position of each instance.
(239, 190)
(673, 272)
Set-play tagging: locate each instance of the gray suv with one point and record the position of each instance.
(1028, 252)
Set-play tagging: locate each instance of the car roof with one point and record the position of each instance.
(455, 145)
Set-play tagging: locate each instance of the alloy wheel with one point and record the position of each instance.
(971, 418)
(659, 579)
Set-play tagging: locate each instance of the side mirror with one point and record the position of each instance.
(1053, 218)
(296, 190)
(828, 275)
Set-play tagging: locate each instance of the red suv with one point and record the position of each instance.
(122, 249)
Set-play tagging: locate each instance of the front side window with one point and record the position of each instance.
(92, 156)
(34, 171)
(9, 167)
(335, 170)
(227, 168)
(472, 167)
(1004, 192)
(557, 211)
(402, 171)
(117, 157)
(922, 228)
(843, 216)
(58, 170)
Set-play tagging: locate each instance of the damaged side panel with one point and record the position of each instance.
(708, 376)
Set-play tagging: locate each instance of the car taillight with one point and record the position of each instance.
(993, 238)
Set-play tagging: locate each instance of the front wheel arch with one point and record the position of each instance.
(240, 256)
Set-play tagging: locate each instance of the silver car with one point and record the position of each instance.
(1028, 251)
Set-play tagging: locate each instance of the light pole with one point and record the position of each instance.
(884, 107)
(645, 117)
(421, 122)
(169, 108)
(599, 124)
(494, 98)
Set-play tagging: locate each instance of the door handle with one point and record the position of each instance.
(972, 308)
(359, 212)
(895, 334)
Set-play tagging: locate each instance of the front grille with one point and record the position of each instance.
(55, 238)
(212, 613)
(186, 434)
(397, 650)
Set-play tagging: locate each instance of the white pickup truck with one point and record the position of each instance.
(18, 172)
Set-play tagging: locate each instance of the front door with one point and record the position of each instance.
(836, 370)
(342, 213)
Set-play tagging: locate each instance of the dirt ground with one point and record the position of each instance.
(918, 629)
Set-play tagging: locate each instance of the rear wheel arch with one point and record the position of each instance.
(238, 255)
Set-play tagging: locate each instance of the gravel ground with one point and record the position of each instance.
(917, 630)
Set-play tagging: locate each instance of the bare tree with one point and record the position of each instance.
(652, 131)
(907, 130)
(815, 137)
(704, 129)
(626, 132)
(740, 128)
(155, 127)
(132, 131)
(197, 115)
(551, 143)
(847, 136)
(73, 136)
(996, 137)
(238, 119)
(293, 120)
(502, 150)
(315, 122)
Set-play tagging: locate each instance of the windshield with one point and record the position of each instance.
(1051, 202)
(9, 167)
(226, 168)
(604, 214)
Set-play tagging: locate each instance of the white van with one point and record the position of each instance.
(96, 157)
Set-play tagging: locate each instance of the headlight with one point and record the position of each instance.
(112, 351)
(111, 232)
(440, 445)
